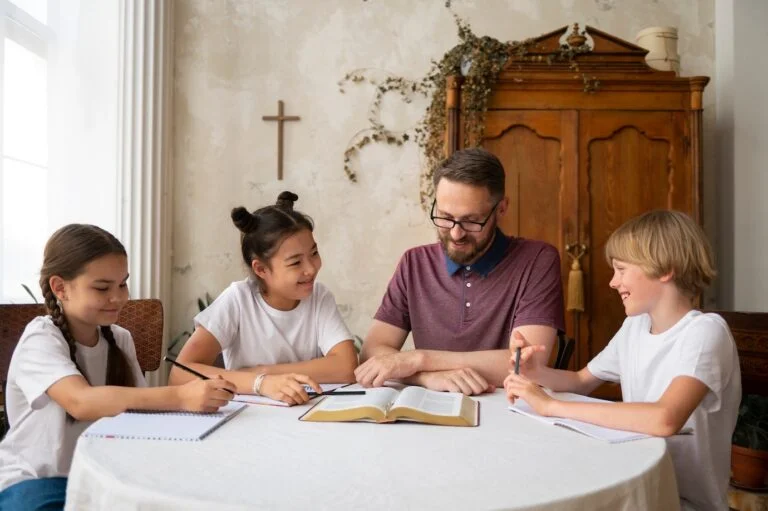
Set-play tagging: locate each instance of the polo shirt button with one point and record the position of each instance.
(467, 268)
(469, 284)
(467, 304)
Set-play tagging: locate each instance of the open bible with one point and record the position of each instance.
(385, 404)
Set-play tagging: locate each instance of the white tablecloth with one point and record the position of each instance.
(267, 459)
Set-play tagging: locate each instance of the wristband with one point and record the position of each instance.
(257, 383)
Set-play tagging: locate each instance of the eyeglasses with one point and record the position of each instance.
(466, 225)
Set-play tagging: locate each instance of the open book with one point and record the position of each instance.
(386, 404)
(585, 428)
(160, 425)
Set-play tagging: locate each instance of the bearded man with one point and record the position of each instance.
(466, 296)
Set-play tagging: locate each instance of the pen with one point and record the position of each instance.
(189, 370)
(517, 360)
(338, 393)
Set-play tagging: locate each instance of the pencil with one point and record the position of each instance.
(187, 369)
(190, 370)
(517, 360)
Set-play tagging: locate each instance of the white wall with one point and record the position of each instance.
(235, 59)
(742, 148)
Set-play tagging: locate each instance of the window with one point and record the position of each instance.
(58, 137)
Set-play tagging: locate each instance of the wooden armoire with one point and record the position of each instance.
(586, 147)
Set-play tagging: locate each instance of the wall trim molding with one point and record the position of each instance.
(144, 177)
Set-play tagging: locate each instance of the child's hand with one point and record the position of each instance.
(288, 387)
(206, 395)
(518, 386)
(528, 363)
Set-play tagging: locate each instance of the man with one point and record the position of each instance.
(464, 297)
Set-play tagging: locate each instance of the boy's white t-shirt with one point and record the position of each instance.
(251, 332)
(41, 440)
(700, 346)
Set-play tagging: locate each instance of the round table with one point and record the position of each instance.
(265, 458)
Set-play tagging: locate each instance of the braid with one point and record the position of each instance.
(118, 371)
(57, 315)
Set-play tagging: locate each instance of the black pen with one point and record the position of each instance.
(190, 370)
(338, 393)
(517, 360)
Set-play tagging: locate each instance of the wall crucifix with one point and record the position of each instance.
(280, 118)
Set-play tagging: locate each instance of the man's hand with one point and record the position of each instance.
(467, 381)
(380, 368)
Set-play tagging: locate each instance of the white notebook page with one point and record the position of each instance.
(163, 425)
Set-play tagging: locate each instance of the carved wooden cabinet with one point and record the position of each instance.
(585, 148)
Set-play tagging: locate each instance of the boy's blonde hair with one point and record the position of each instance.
(663, 242)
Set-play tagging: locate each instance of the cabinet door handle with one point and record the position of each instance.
(576, 250)
(575, 295)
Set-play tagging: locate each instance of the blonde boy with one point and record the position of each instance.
(677, 366)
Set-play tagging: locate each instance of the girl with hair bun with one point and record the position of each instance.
(279, 329)
(75, 366)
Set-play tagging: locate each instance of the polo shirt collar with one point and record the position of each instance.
(488, 261)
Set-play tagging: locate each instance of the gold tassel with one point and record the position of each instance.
(575, 287)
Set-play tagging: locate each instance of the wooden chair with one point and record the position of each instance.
(565, 347)
(143, 318)
(750, 332)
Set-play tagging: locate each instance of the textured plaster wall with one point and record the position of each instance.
(235, 59)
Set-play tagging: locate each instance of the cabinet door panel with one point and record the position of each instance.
(538, 151)
(530, 146)
(630, 162)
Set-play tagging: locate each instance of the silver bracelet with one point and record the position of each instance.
(257, 383)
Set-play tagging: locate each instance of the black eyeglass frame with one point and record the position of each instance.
(460, 223)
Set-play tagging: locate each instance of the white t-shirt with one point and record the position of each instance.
(41, 440)
(251, 332)
(700, 346)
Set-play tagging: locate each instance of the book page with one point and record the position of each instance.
(263, 400)
(258, 400)
(379, 398)
(524, 408)
(585, 428)
(599, 432)
(430, 401)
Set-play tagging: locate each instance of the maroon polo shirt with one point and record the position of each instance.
(474, 307)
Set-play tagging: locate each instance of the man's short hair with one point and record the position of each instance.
(475, 167)
(662, 242)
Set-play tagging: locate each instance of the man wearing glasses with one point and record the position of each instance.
(464, 297)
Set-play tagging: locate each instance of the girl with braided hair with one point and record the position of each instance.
(75, 366)
(279, 329)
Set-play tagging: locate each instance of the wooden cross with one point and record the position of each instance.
(280, 118)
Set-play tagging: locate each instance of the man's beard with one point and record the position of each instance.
(467, 253)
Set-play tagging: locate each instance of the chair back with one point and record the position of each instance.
(750, 332)
(13, 320)
(565, 347)
(142, 318)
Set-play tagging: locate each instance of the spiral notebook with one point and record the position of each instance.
(185, 426)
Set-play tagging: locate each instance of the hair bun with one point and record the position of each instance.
(244, 220)
(286, 199)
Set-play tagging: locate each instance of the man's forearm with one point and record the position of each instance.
(379, 349)
(491, 364)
